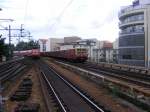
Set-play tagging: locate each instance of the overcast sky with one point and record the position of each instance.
(59, 18)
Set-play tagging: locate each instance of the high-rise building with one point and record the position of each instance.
(134, 37)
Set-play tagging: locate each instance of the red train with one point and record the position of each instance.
(75, 55)
(34, 53)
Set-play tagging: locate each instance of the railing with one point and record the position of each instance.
(130, 8)
(132, 20)
(131, 32)
(129, 22)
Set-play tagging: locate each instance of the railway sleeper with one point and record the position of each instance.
(23, 92)
(28, 107)
(54, 101)
(19, 97)
(89, 97)
(126, 93)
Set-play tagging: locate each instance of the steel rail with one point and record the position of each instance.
(4, 68)
(77, 91)
(11, 61)
(8, 71)
(56, 96)
(11, 73)
(130, 80)
(114, 75)
(120, 71)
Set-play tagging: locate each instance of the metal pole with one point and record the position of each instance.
(98, 55)
(9, 34)
(29, 36)
(20, 36)
(21, 29)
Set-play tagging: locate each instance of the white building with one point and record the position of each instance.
(51, 44)
(116, 50)
(43, 45)
(116, 44)
(104, 52)
(54, 43)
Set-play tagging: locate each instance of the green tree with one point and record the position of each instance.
(4, 48)
(21, 46)
(33, 44)
(1, 47)
(27, 45)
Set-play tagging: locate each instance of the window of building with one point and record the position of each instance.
(133, 29)
(138, 17)
(44, 47)
(126, 57)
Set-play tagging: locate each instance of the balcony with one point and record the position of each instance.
(127, 10)
(125, 24)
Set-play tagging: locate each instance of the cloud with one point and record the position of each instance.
(46, 18)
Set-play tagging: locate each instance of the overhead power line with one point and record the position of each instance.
(26, 10)
(61, 13)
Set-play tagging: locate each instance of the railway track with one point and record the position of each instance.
(9, 64)
(10, 70)
(125, 87)
(69, 98)
(140, 80)
(122, 71)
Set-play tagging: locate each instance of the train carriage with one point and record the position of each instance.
(75, 55)
(34, 53)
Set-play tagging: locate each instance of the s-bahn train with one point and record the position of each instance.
(34, 53)
(74, 55)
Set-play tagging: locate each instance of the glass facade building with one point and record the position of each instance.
(133, 36)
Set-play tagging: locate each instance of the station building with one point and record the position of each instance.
(134, 36)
